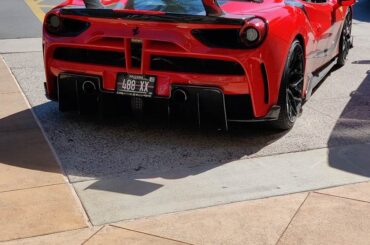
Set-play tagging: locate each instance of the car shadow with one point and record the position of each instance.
(354, 158)
(130, 150)
(362, 62)
(361, 10)
(121, 154)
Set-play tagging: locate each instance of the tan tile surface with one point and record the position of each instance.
(38, 211)
(11, 104)
(26, 161)
(7, 88)
(7, 84)
(74, 237)
(359, 191)
(326, 220)
(113, 235)
(25, 158)
(18, 121)
(252, 222)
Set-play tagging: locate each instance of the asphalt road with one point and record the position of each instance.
(17, 20)
(120, 164)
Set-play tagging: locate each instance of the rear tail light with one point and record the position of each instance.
(250, 35)
(60, 26)
(253, 32)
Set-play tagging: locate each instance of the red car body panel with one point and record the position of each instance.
(318, 26)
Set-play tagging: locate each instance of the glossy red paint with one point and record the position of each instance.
(317, 25)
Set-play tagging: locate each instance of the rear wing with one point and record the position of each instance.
(151, 16)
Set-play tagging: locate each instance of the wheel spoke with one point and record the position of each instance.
(295, 78)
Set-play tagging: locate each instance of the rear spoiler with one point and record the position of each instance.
(162, 17)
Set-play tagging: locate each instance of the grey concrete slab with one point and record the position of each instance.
(25, 59)
(128, 197)
(20, 45)
(18, 21)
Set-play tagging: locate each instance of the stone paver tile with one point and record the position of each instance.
(7, 83)
(326, 220)
(359, 191)
(252, 222)
(74, 237)
(113, 235)
(11, 104)
(14, 111)
(26, 161)
(38, 211)
(7, 87)
(17, 121)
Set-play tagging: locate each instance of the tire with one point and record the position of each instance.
(290, 95)
(345, 40)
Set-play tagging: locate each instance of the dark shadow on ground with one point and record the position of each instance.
(362, 10)
(136, 150)
(362, 62)
(356, 115)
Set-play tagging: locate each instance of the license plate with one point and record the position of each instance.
(135, 85)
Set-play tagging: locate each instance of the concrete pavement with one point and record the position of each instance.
(37, 206)
(17, 20)
(116, 165)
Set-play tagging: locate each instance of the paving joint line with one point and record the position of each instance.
(341, 197)
(291, 220)
(20, 52)
(9, 92)
(337, 119)
(93, 235)
(31, 188)
(307, 150)
(149, 234)
(21, 129)
(42, 235)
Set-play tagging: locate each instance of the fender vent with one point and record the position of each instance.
(90, 56)
(193, 65)
(219, 38)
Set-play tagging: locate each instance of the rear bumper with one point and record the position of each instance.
(207, 105)
(229, 84)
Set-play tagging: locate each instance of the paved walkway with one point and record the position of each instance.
(39, 206)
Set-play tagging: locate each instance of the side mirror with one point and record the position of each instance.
(346, 2)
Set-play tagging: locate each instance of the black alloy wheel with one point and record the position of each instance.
(290, 97)
(345, 40)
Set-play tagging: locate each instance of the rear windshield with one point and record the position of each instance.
(194, 7)
(191, 7)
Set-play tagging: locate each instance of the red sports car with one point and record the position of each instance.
(219, 60)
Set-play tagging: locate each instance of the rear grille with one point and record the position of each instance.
(193, 65)
(219, 38)
(239, 107)
(89, 56)
(136, 53)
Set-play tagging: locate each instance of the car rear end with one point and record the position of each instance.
(200, 63)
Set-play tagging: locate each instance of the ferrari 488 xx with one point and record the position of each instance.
(216, 60)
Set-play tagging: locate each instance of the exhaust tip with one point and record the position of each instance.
(179, 96)
(89, 87)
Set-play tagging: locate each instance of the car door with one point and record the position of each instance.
(322, 16)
